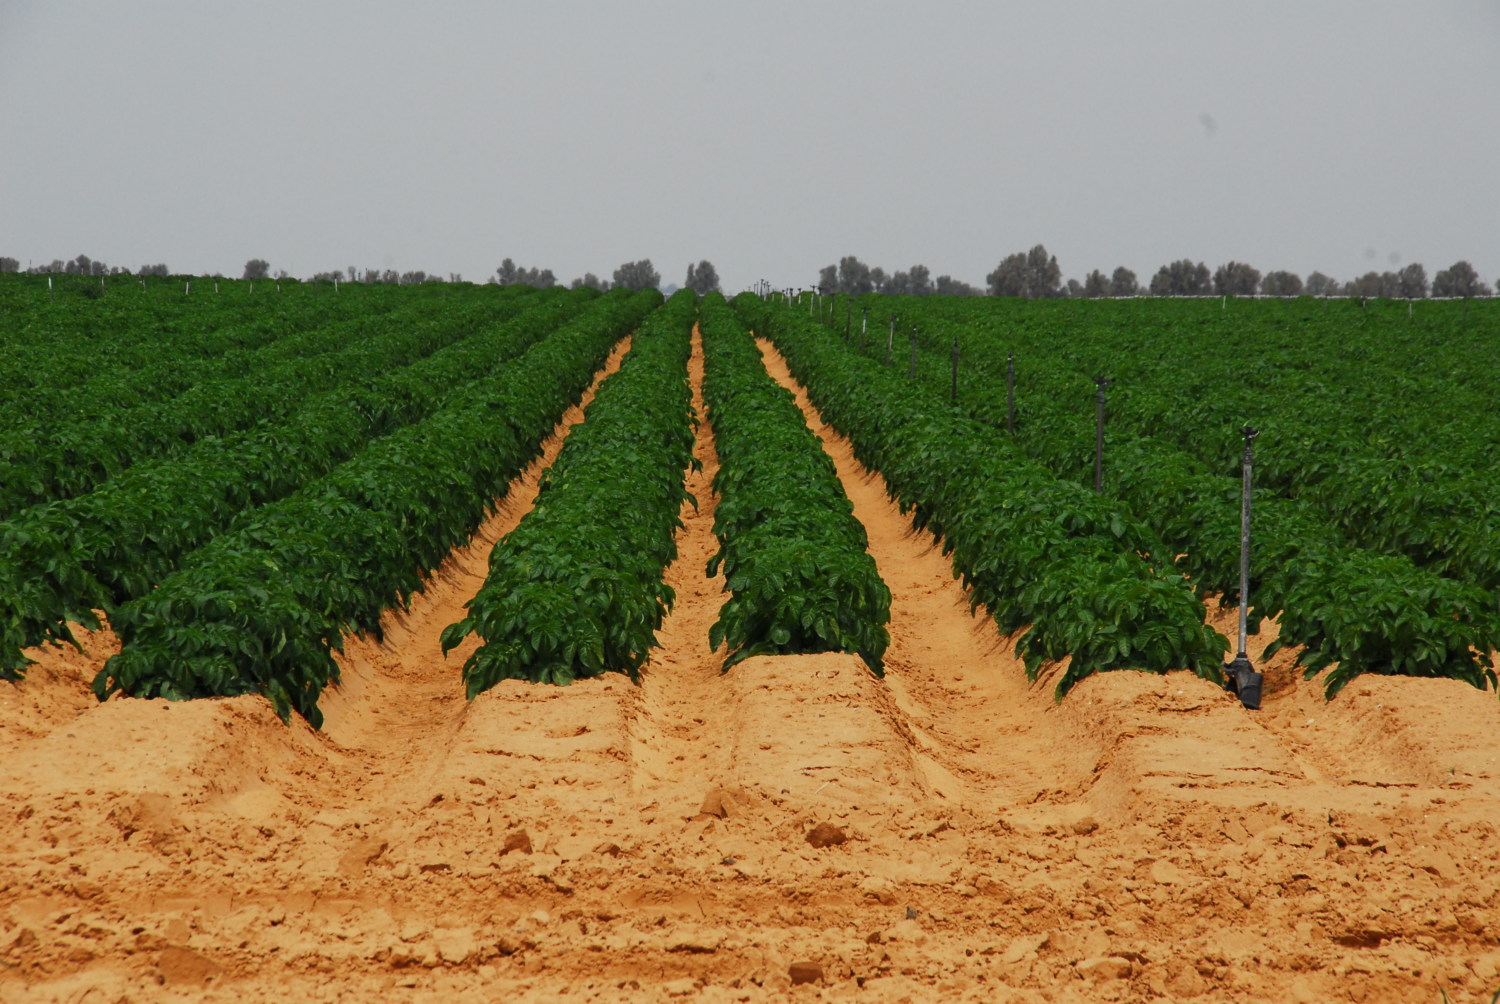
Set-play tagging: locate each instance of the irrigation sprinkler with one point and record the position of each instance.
(1242, 679)
(1099, 436)
(864, 328)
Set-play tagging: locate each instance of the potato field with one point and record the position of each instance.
(469, 643)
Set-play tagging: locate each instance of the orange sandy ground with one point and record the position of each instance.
(1148, 839)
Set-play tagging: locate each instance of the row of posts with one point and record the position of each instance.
(187, 286)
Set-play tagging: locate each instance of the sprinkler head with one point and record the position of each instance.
(1244, 681)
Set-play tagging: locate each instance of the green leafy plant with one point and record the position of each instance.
(576, 588)
(262, 608)
(794, 556)
(114, 544)
(1346, 607)
(1085, 578)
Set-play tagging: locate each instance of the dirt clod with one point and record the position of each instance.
(805, 972)
(826, 835)
(180, 965)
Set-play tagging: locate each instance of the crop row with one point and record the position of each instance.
(1371, 416)
(794, 556)
(114, 544)
(263, 607)
(94, 443)
(1342, 604)
(55, 348)
(576, 588)
(1083, 577)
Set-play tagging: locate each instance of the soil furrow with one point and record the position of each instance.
(981, 735)
(682, 704)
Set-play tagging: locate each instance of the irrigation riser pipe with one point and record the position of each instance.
(1241, 677)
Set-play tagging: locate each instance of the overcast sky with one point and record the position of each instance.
(770, 138)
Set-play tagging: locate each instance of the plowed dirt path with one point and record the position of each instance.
(970, 838)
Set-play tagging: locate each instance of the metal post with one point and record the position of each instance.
(1099, 437)
(1010, 395)
(1249, 435)
(911, 369)
(1242, 677)
(890, 341)
(864, 328)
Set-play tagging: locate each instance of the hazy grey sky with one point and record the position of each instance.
(771, 138)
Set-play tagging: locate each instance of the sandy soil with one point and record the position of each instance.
(794, 829)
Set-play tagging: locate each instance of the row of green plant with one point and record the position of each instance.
(1345, 606)
(1375, 414)
(1082, 576)
(95, 551)
(116, 421)
(262, 608)
(64, 357)
(794, 557)
(576, 588)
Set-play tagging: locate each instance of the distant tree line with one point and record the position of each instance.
(1035, 274)
(853, 276)
(1185, 278)
(82, 265)
(257, 269)
(634, 275)
(631, 275)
